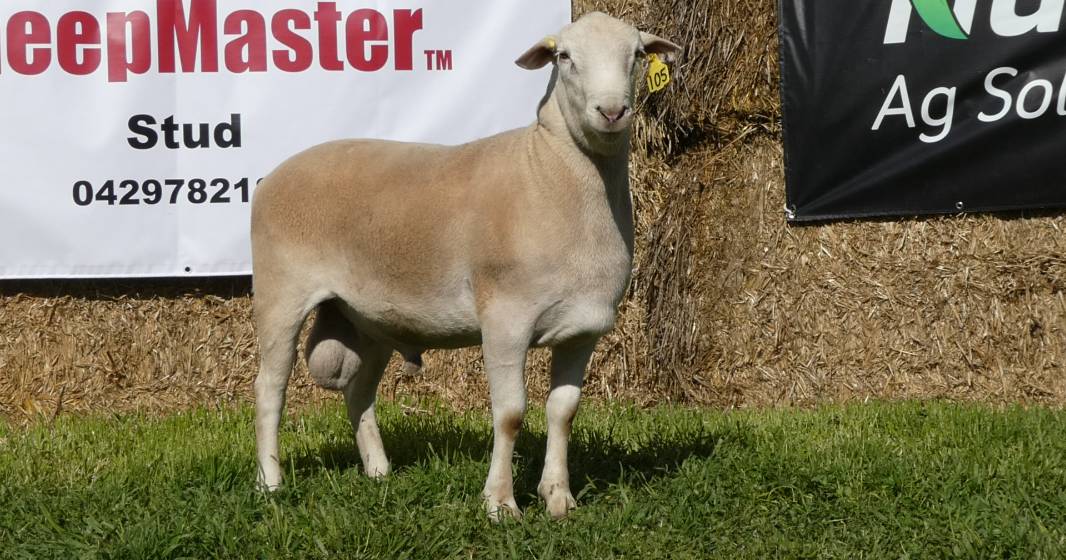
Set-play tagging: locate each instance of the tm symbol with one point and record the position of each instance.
(439, 60)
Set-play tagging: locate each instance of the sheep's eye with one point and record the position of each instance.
(563, 55)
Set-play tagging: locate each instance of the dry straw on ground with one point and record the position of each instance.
(729, 306)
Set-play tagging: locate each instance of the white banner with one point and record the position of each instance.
(133, 132)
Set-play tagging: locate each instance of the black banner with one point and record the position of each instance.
(907, 107)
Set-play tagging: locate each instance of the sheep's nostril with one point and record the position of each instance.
(613, 115)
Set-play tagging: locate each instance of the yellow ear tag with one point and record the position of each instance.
(658, 74)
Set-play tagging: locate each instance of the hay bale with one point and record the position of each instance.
(727, 79)
(759, 313)
(633, 11)
(149, 346)
(729, 306)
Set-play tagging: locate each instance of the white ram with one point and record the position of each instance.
(519, 240)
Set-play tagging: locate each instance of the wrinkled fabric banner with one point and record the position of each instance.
(909, 107)
(134, 131)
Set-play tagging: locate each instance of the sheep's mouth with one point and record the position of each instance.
(612, 130)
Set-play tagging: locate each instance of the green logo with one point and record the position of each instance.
(940, 18)
(955, 19)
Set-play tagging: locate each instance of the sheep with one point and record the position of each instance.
(519, 240)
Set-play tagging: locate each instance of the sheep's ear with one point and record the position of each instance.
(539, 55)
(666, 50)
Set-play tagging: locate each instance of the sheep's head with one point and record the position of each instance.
(597, 61)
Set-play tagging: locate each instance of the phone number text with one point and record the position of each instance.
(165, 191)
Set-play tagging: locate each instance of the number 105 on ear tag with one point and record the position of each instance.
(658, 74)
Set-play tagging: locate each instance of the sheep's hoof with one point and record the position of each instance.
(267, 487)
(377, 470)
(500, 510)
(557, 500)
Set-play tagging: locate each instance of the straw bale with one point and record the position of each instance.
(760, 313)
(633, 11)
(76, 346)
(727, 78)
(729, 306)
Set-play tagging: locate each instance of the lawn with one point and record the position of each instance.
(863, 481)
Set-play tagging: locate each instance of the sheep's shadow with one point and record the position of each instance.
(597, 460)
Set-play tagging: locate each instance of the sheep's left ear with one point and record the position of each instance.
(538, 55)
(666, 50)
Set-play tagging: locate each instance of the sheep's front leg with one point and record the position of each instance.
(567, 376)
(504, 348)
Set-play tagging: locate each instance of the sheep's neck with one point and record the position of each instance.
(605, 175)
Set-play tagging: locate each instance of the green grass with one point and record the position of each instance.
(879, 481)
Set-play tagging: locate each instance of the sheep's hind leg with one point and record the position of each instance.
(278, 325)
(339, 357)
(567, 375)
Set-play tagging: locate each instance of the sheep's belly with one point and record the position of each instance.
(418, 328)
(575, 320)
